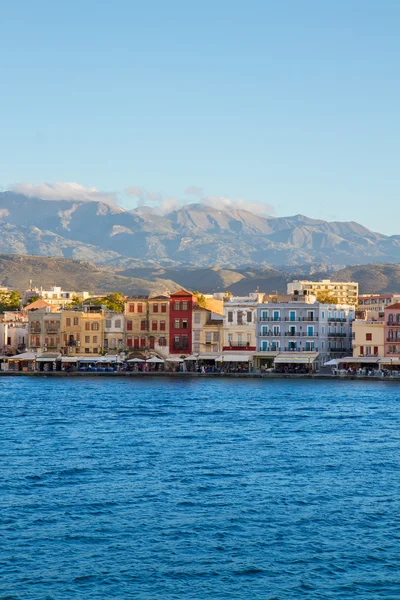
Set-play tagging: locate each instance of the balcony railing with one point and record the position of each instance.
(52, 330)
(393, 340)
(339, 335)
(337, 320)
(300, 349)
(301, 334)
(270, 319)
(302, 319)
(393, 324)
(35, 329)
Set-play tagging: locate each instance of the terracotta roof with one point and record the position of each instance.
(395, 306)
(182, 292)
(37, 304)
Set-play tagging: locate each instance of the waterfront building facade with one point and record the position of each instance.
(181, 322)
(44, 328)
(114, 331)
(147, 323)
(207, 332)
(82, 331)
(373, 305)
(368, 338)
(240, 315)
(346, 292)
(392, 330)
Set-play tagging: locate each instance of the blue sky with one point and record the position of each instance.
(291, 104)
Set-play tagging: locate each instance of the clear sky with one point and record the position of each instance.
(293, 104)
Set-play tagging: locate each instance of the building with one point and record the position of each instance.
(346, 292)
(82, 330)
(240, 316)
(392, 330)
(114, 331)
(55, 296)
(373, 305)
(304, 326)
(13, 337)
(368, 338)
(44, 330)
(180, 322)
(147, 323)
(207, 332)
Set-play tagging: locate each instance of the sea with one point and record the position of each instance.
(161, 489)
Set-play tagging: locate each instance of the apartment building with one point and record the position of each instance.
(207, 332)
(392, 330)
(346, 292)
(82, 330)
(114, 331)
(147, 323)
(368, 338)
(305, 326)
(44, 328)
(13, 337)
(180, 322)
(373, 305)
(240, 316)
(55, 296)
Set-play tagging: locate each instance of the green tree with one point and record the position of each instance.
(200, 298)
(327, 298)
(10, 300)
(114, 301)
(76, 301)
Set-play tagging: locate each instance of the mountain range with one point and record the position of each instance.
(194, 235)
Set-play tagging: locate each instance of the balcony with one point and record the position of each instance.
(179, 347)
(392, 340)
(52, 330)
(337, 335)
(35, 330)
(337, 320)
(302, 319)
(393, 324)
(301, 334)
(270, 319)
(300, 349)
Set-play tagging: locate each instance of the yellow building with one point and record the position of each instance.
(82, 331)
(368, 338)
(345, 291)
(207, 332)
(147, 323)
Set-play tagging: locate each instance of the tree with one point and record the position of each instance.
(201, 299)
(325, 297)
(114, 301)
(10, 300)
(76, 301)
(34, 298)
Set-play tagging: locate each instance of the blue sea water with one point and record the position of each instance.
(199, 489)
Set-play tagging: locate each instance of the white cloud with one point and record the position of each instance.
(64, 191)
(163, 204)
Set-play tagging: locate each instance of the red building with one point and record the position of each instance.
(180, 322)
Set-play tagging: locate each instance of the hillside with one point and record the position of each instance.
(194, 235)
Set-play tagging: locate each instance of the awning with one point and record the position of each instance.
(389, 361)
(112, 358)
(154, 360)
(94, 359)
(359, 360)
(265, 354)
(69, 359)
(23, 356)
(299, 358)
(331, 363)
(47, 358)
(203, 357)
(232, 358)
(174, 359)
(135, 360)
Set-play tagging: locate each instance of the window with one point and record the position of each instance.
(142, 342)
(118, 324)
(230, 338)
(184, 342)
(196, 335)
(184, 305)
(155, 308)
(177, 324)
(240, 317)
(143, 325)
(197, 318)
(196, 348)
(184, 324)
(136, 342)
(162, 325)
(162, 341)
(249, 316)
(361, 349)
(208, 337)
(154, 325)
(68, 322)
(375, 350)
(129, 325)
(76, 321)
(163, 308)
(87, 339)
(239, 339)
(108, 323)
(215, 336)
(131, 308)
(323, 314)
(87, 326)
(249, 338)
(177, 306)
(368, 337)
(230, 317)
(95, 326)
(87, 350)
(95, 339)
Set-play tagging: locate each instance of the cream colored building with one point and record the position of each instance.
(147, 323)
(368, 338)
(44, 328)
(207, 332)
(240, 316)
(55, 296)
(373, 305)
(345, 291)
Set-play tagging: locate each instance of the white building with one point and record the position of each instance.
(114, 331)
(239, 325)
(345, 291)
(55, 296)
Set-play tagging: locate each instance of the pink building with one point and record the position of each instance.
(392, 330)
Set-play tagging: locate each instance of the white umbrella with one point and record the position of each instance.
(135, 360)
(331, 363)
(155, 359)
